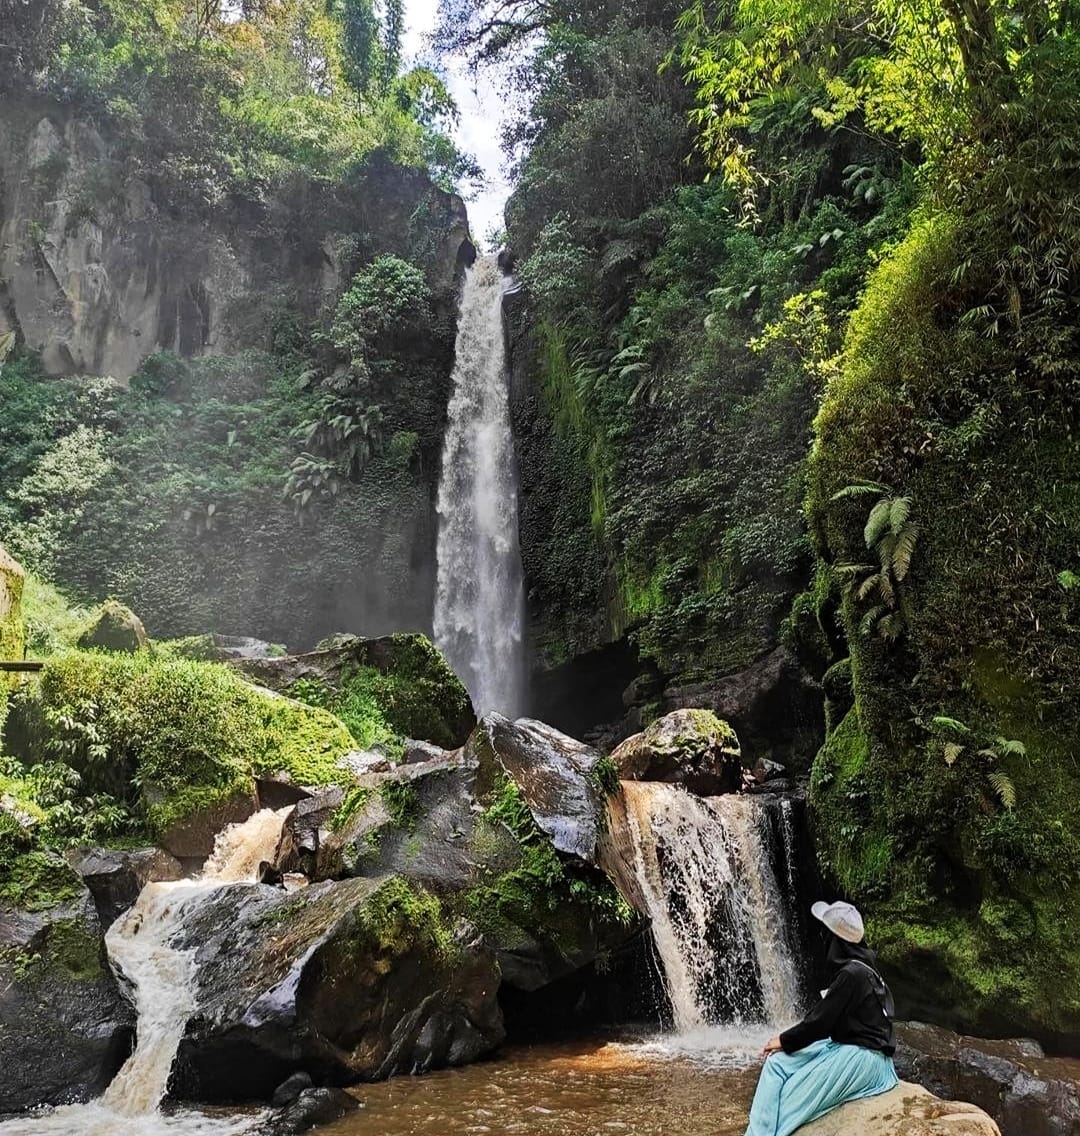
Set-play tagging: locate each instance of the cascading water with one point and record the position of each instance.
(706, 871)
(479, 604)
(163, 981)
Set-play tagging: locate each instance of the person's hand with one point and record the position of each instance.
(772, 1046)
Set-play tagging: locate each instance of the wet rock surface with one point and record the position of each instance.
(552, 770)
(1026, 1092)
(907, 1110)
(347, 980)
(192, 837)
(312, 1108)
(65, 1027)
(116, 877)
(690, 747)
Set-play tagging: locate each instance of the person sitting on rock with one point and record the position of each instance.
(842, 1050)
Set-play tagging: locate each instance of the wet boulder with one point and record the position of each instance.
(351, 980)
(115, 877)
(114, 628)
(907, 1110)
(65, 1027)
(1026, 1092)
(416, 821)
(688, 747)
(556, 775)
(312, 1108)
(191, 836)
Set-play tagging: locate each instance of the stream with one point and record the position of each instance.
(586, 1088)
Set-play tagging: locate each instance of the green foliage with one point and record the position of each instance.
(541, 894)
(401, 802)
(53, 623)
(160, 736)
(399, 918)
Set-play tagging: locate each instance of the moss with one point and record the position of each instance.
(355, 801)
(189, 647)
(401, 801)
(399, 917)
(538, 894)
(37, 881)
(114, 627)
(175, 735)
(74, 952)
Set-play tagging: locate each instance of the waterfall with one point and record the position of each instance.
(163, 981)
(479, 603)
(714, 883)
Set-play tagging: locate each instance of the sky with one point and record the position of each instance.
(481, 119)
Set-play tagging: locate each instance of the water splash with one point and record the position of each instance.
(163, 982)
(479, 603)
(705, 873)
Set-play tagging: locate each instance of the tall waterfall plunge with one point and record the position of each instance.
(479, 604)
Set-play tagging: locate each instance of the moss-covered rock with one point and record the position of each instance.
(12, 639)
(173, 738)
(351, 980)
(114, 627)
(12, 579)
(385, 689)
(65, 1028)
(694, 748)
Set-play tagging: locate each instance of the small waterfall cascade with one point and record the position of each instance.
(479, 603)
(717, 889)
(163, 981)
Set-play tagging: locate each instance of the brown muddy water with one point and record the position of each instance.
(584, 1088)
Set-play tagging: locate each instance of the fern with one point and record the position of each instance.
(952, 751)
(902, 551)
(942, 722)
(1003, 786)
(878, 521)
(860, 489)
(899, 511)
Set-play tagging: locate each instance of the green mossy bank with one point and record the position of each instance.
(945, 797)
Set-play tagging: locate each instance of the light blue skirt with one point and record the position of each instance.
(796, 1088)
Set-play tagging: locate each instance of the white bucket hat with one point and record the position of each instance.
(841, 918)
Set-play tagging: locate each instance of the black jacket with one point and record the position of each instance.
(857, 1009)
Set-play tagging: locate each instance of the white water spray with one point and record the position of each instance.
(704, 871)
(479, 604)
(163, 980)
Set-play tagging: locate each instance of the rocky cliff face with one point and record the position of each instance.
(100, 267)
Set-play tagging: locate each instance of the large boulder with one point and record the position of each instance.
(404, 675)
(349, 981)
(907, 1110)
(774, 704)
(115, 877)
(505, 831)
(114, 627)
(1026, 1092)
(556, 774)
(65, 1027)
(690, 747)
